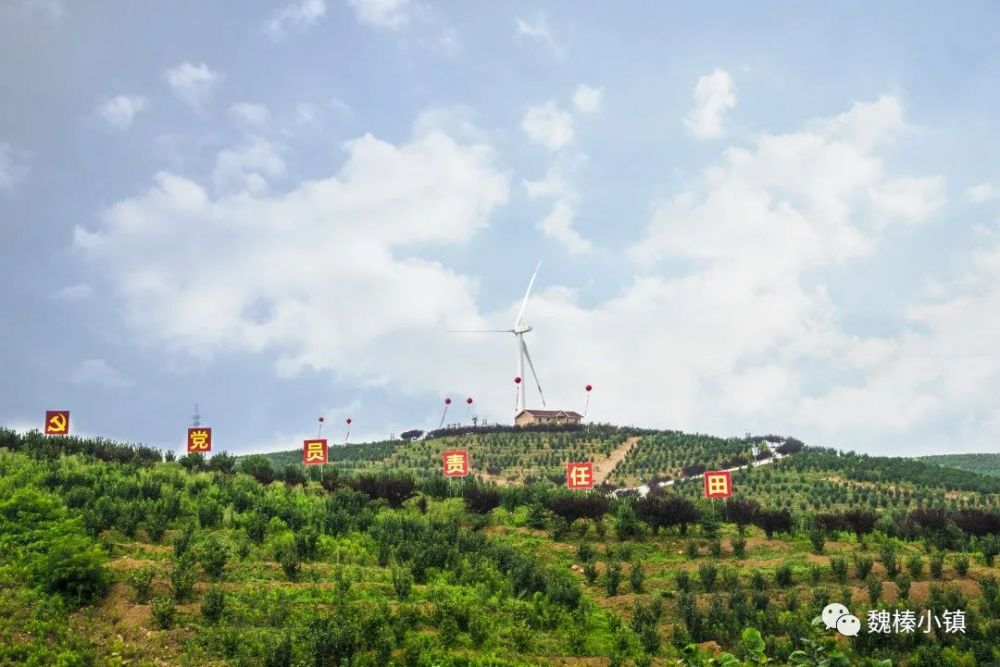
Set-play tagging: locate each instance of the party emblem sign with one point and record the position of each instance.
(199, 440)
(718, 484)
(455, 463)
(57, 422)
(314, 452)
(580, 475)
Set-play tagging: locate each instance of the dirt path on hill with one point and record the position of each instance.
(605, 467)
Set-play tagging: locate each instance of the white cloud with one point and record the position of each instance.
(99, 372)
(391, 14)
(250, 115)
(548, 125)
(75, 292)
(807, 198)
(714, 95)
(727, 327)
(557, 224)
(588, 99)
(982, 193)
(13, 168)
(313, 275)
(120, 110)
(296, 16)
(192, 84)
(306, 113)
(340, 106)
(942, 370)
(249, 167)
(538, 30)
(909, 199)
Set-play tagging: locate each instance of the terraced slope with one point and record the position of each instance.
(984, 464)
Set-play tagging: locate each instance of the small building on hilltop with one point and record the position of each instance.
(534, 417)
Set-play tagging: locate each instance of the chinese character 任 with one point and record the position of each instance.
(580, 476)
(878, 621)
(954, 621)
(904, 620)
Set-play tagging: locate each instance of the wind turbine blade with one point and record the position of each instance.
(524, 303)
(480, 331)
(524, 348)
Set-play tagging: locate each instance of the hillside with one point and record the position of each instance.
(984, 464)
(111, 556)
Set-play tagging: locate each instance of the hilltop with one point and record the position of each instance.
(111, 555)
(984, 464)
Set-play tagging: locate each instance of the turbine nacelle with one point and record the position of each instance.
(521, 328)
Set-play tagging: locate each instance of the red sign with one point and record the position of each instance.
(199, 440)
(718, 484)
(580, 475)
(57, 422)
(455, 463)
(314, 452)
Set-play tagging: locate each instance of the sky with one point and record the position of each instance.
(750, 217)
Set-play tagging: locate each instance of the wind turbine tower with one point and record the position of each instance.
(520, 347)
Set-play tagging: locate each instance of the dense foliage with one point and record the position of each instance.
(377, 562)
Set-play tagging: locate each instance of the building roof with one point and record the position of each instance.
(549, 413)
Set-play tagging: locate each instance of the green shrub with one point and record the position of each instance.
(903, 586)
(683, 579)
(692, 550)
(636, 578)
(715, 548)
(874, 587)
(937, 564)
(142, 581)
(863, 567)
(783, 575)
(214, 604)
(815, 573)
(184, 540)
(817, 537)
(838, 568)
(962, 565)
(739, 544)
(182, 577)
(73, 567)
(164, 610)
(213, 556)
(707, 573)
(758, 581)
(613, 579)
(590, 572)
(402, 582)
(888, 556)
(915, 564)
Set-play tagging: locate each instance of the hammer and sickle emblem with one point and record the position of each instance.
(57, 423)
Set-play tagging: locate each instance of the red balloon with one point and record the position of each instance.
(469, 400)
(348, 420)
(588, 387)
(447, 401)
(321, 420)
(517, 380)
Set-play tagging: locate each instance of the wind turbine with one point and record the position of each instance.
(520, 347)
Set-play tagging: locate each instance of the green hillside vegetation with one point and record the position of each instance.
(984, 464)
(507, 454)
(112, 556)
